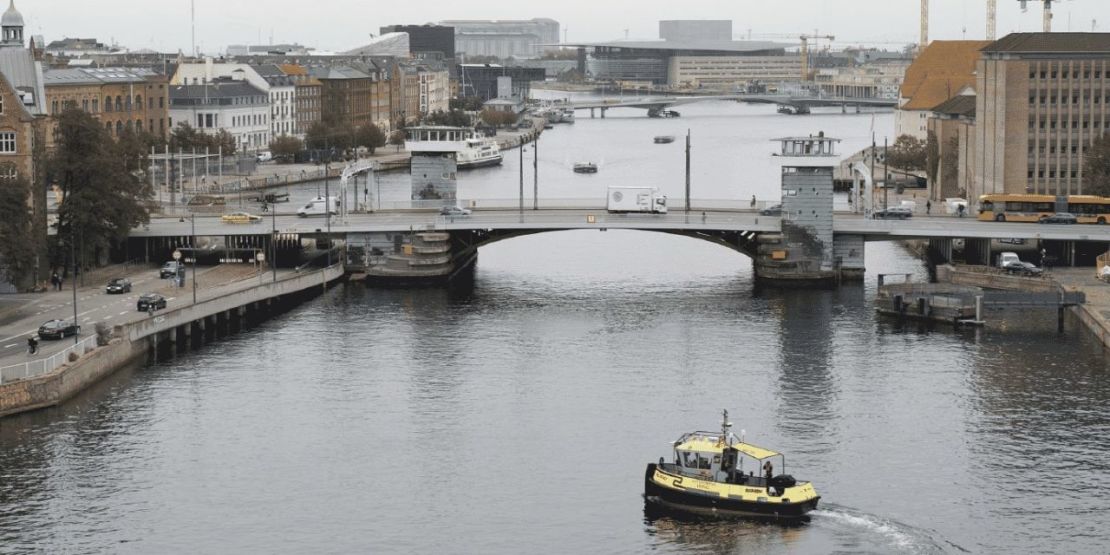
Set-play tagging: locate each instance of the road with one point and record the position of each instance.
(94, 306)
(495, 215)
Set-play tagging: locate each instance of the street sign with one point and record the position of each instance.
(177, 255)
(261, 257)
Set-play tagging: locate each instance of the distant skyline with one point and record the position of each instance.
(330, 24)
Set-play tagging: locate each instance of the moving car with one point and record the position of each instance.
(315, 207)
(151, 301)
(454, 211)
(1059, 218)
(171, 269)
(1022, 268)
(240, 218)
(774, 210)
(58, 329)
(893, 213)
(118, 286)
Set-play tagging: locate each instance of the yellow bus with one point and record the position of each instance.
(1088, 209)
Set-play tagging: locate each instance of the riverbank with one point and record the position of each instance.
(48, 382)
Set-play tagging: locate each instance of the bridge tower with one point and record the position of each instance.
(806, 251)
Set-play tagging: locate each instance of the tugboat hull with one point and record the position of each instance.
(682, 494)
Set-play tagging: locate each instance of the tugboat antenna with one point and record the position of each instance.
(725, 426)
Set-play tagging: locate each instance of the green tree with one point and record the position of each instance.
(17, 251)
(185, 138)
(285, 148)
(397, 139)
(466, 103)
(101, 199)
(453, 118)
(908, 153)
(322, 136)
(369, 136)
(1096, 167)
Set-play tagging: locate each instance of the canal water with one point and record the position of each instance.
(517, 413)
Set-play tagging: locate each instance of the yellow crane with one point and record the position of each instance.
(1047, 12)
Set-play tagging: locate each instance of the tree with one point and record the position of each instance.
(135, 147)
(932, 157)
(17, 251)
(453, 118)
(186, 138)
(397, 139)
(498, 118)
(322, 136)
(369, 136)
(908, 153)
(466, 103)
(101, 199)
(1096, 167)
(285, 148)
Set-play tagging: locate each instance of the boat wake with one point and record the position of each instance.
(878, 534)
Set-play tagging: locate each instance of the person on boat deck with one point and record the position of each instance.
(769, 471)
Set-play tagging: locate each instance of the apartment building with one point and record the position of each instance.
(120, 98)
(233, 105)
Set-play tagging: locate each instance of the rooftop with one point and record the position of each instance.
(220, 88)
(944, 69)
(738, 46)
(962, 105)
(84, 75)
(1049, 43)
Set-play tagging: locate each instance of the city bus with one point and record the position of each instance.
(1088, 209)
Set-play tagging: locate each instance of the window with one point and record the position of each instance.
(54, 107)
(119, 104)
(96, 105)
(8, 171)
(139, 125)
(7, 142)
(119, 127)
(161, 102)
(139, 101)
(108, 127)
(85, 105)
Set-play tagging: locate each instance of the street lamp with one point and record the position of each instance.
(193, 244)
(273, 242)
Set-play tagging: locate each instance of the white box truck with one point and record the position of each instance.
(637, 199)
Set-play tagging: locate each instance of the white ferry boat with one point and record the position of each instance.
(472, 150)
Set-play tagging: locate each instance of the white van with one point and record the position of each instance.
(315, 207)
(1006, 258)
(264, 156)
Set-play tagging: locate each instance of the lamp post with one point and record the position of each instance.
(535, 172)
(273, 242)
(193, 245)
(73, 254)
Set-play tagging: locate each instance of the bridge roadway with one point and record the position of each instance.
(918, 227)
(784, 99)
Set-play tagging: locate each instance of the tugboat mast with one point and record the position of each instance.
(726, 437)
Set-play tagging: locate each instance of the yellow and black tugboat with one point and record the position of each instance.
(718, 475)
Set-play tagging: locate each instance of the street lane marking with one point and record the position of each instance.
(122, 313)
(10, 346)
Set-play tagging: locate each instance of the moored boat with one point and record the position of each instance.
(664, 139)
(585, 167)
(714, 475)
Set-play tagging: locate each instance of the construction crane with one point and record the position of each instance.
(992, 19)
(924, 41)
(805, 51)
(1047, 12)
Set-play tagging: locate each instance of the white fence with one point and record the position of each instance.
(35, 368)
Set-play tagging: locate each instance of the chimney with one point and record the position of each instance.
(209, 69)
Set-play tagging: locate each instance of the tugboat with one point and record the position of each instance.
(714, 475)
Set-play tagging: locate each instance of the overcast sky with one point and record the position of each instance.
(345, 24)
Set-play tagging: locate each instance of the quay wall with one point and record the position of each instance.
(140, 340)
(989, 278)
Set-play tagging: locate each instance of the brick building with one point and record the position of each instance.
(119, 98)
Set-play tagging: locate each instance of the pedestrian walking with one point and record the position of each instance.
(32, 345)
(753, 201)
(54, 280)
(928, 207)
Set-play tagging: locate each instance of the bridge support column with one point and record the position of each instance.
(592, 115)
(603, 110)
(848, 255)
(977, 251)
(940, 251)
(805, 251)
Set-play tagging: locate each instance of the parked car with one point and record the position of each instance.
(893, 213)
(454, 211)
(264, 156)
(118, 286)
(1059, 218)
(58, 329)
(171, 269)
(775, 210)
(151, 301)
(1007, 258)
(240, 218)
(1023, 268)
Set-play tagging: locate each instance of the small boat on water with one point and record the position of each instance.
(664, 139)
(713, 474)
(585, 167)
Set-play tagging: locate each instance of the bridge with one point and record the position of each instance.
(421, 240)
(798, 104)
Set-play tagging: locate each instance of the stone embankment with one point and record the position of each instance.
(164, 334)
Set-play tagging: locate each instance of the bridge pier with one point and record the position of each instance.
(592, 115)
(978, 251)
(940, 251)
(603, 110)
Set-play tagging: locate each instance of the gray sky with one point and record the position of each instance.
(344, 24)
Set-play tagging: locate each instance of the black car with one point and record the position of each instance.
(775, 210)
(1023, 268)
(1059, 218)
(118, 286)
(58, 329)
(151, 301)
(893, 213)
(170, 269)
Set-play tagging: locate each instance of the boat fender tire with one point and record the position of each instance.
(783, 481)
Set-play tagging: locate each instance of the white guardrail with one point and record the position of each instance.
(35, 368)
